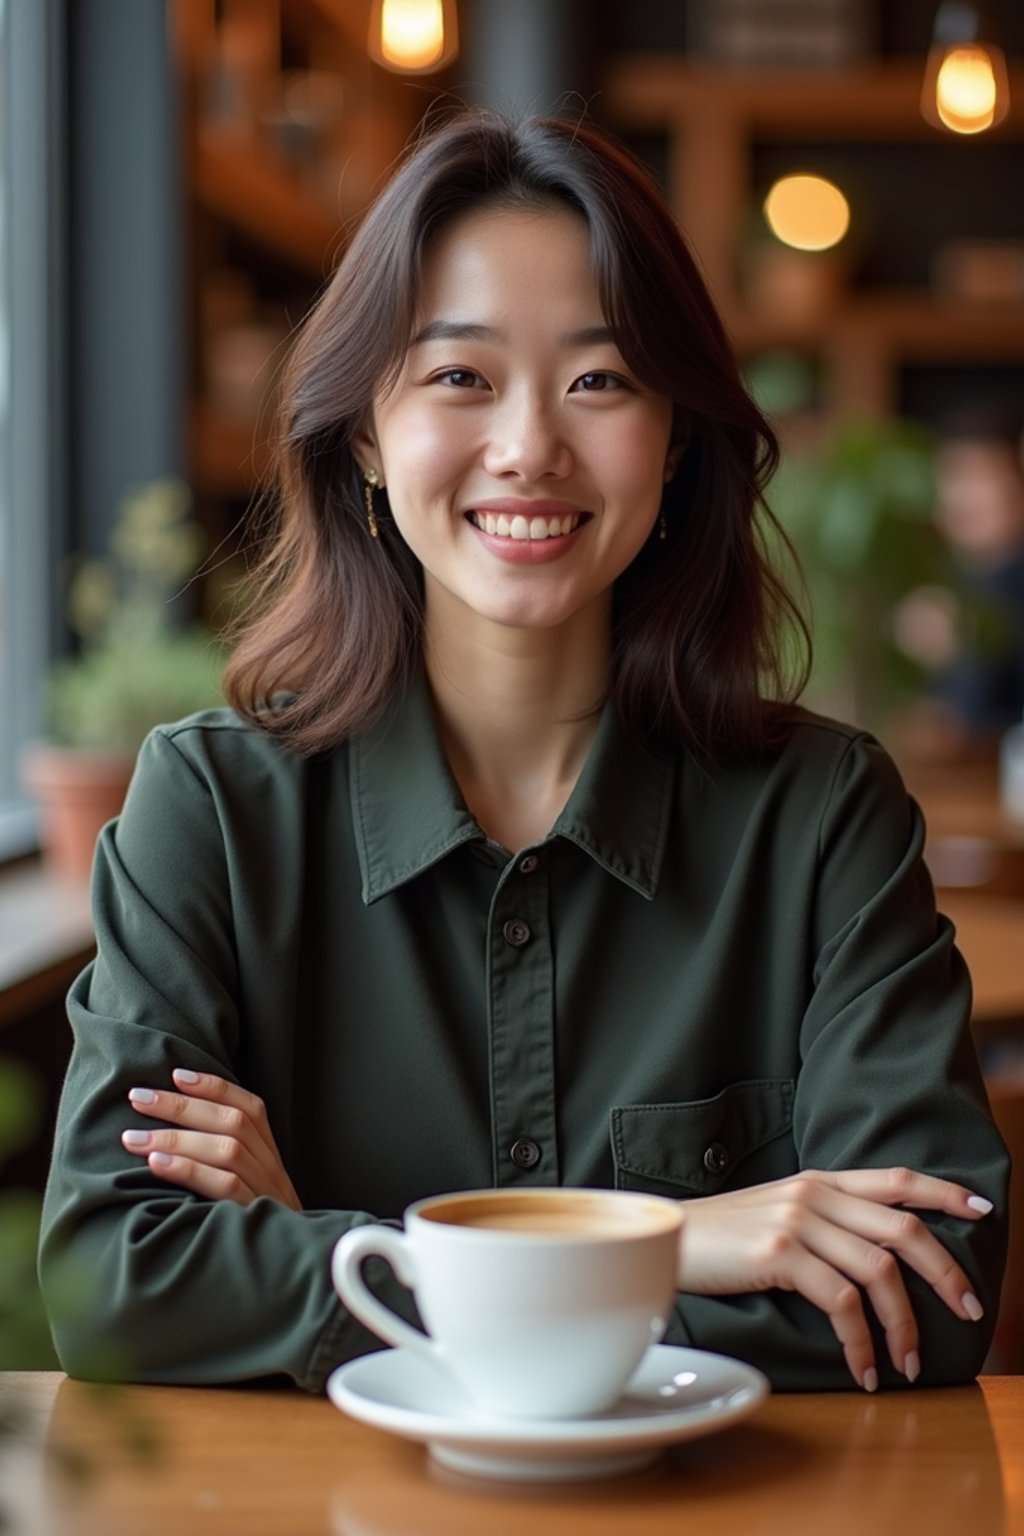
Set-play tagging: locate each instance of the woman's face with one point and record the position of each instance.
(524, 462)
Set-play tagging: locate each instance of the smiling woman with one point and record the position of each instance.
(514, 863)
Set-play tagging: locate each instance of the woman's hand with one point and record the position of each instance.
(830, 1236)
(220, 1146)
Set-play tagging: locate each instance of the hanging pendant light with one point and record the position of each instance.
(413, 37)
(966, 88)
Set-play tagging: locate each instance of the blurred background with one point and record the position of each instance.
(178, 179)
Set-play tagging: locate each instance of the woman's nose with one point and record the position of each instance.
(525, 440)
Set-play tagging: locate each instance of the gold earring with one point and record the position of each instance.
(371, 480)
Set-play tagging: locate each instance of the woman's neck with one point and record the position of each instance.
(517, 711)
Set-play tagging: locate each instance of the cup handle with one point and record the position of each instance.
(346, 1271)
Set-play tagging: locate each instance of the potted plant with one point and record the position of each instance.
(136, 666)
(886, 596)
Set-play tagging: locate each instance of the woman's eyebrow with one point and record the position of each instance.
(465, 330)
(455, 330)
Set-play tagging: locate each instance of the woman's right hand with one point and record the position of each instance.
(218, 1142)
(830, 1237)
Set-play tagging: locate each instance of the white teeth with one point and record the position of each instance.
(520, 527)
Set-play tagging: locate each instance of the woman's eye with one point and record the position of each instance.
(458, 378)
(592, 383)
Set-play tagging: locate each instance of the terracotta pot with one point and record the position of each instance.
(78, 792)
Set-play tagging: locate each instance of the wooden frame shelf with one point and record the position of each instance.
(712, 116)
(245, 189)
(239, 63)
(879, 101)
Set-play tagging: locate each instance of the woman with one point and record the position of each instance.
(501, 871)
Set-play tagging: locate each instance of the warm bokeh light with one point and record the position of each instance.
(966, 87)
(413, 36)
(965, 90)
(807, 212)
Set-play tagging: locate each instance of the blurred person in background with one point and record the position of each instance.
(972, 641)
(980, 509)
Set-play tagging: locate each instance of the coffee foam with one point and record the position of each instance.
(558, 1213)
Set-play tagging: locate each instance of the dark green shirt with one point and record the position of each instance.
(700, 979)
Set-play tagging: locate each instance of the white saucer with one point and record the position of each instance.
(675, 1394)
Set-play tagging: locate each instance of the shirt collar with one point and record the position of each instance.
(408, 812)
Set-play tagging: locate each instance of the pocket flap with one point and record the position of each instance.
(699, 1146)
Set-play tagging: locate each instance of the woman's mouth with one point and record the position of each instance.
(502, 525)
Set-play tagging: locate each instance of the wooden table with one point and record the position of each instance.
(259, 1463)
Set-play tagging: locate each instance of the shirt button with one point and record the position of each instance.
(524, 1152)
(528, 863)
(516, 932)
(716, 1158)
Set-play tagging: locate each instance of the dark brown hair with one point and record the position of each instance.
(700, 619)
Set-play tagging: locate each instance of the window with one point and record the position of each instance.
(33, 436)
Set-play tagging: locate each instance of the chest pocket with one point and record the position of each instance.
(740, 1137)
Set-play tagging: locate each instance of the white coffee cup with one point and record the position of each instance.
(540, 1303)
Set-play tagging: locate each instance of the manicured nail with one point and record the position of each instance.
(186, 1075)
(162, 1159)
(142, 1095)
(972, 1306)
(912, 1365)
(979, 1203)
(870, 1381)
(135, 1138)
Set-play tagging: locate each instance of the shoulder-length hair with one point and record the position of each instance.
(700, 620)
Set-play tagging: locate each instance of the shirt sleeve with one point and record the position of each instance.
(145, 1282)
(888, 1076)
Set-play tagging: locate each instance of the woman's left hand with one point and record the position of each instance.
(220, 1144)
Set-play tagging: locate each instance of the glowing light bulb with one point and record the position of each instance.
(807, 212)
(966, 87)
(965, 90)
(413, 37)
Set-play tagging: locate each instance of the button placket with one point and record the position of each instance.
(520, 995)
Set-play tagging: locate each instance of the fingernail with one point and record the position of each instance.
(979, 1203)
(185, 1075)
(162, 1159)
(870, 1381)
(972, 1306)
(142, 1095)
(135, 1138)
(912, 1365)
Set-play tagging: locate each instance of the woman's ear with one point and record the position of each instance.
(365, 450)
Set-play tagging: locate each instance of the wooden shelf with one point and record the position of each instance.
(881, 101)
(241, 184)
(712, 117)
(912, 324)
